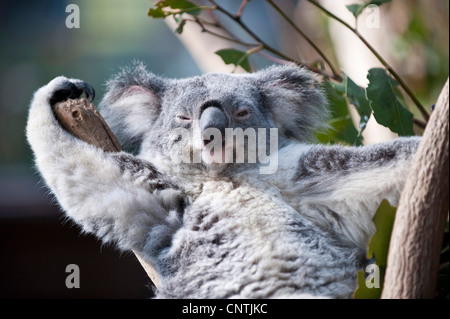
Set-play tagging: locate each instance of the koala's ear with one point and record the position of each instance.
(295, 99)
(132, 103)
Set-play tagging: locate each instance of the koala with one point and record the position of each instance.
(216, 228)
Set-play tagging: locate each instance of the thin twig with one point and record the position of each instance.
(233, 39)
(299, 31)
(379, 57)
(203, 22)
(241, 8)
(272, 58)
(218, 35)
(170, 11)
(269, 48)
(237, 19)
(420, 123)
(247, 54)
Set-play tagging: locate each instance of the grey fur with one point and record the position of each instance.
(223, 231)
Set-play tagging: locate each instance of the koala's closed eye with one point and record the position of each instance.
(243, 114)
(183, 118)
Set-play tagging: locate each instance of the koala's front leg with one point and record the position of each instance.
(340, 188)
(114, 195)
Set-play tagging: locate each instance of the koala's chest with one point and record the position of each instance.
(243, 236)
(257, 211)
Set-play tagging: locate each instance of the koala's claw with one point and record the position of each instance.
(72, 90)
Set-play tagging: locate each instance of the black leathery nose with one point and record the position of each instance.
(213, 117)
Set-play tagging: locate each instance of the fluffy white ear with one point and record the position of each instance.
(132, 103)
(295, 99)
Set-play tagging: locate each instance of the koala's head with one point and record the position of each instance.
(192, 121)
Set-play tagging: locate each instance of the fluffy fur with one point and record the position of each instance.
(222, 231)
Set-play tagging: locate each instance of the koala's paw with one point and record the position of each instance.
(64, 89)
(41, 121)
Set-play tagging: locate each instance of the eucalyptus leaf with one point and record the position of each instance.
(357, 96)
(378, 249)
(235, 57)
(183, 6)
(387, 107)
(342, 129)
(340, 86)
(180, 27)
(379, 2)
(178, 17)
(356, 8)
(157, 12)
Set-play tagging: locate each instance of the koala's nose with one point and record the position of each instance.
(213, 117)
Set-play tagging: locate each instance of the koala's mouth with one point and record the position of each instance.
(216, 152)
(213, 149)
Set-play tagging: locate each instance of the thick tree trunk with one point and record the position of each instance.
(413, 260)
(81, 119)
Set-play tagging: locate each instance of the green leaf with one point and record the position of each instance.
(340, 86)
(384, 222)
(183, 6)
(378, 248)
(356, 9)
(157, 12)
(236, 57)
(178, 17)
(387, 107)
(357, 96)
(180, 27)
(342, 129)
(178, 4)
(378, 2)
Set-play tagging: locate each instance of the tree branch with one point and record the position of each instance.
(419, 123)
(267, 47)
(311, 43)
(241, 8)
(230, 38)
(416, 240)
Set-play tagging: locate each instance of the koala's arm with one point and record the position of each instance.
(116, 196)
(340, 188)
